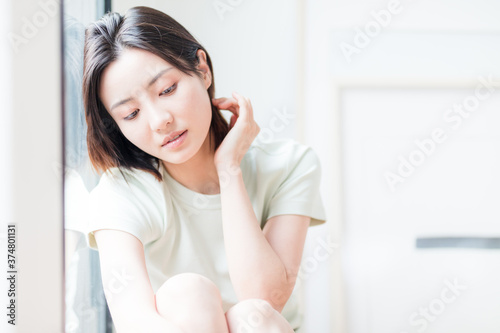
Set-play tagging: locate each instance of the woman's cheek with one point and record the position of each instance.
(135, 136)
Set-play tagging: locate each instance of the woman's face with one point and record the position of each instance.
(147, 114)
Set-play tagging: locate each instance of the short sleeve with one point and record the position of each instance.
(116, 204)
(298, 192)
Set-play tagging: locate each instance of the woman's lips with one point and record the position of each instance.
(177, 142)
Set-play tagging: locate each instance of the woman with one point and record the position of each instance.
(200, 227)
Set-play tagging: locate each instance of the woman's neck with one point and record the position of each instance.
(199, 173)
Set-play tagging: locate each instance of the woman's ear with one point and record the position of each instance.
(204, 68)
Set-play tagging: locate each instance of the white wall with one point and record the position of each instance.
(396, 88)
(30, 173)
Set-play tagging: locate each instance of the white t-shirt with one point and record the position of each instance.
(182, 229)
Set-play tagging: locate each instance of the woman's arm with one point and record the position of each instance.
(258, 267)
(126, 284)
(255, 269)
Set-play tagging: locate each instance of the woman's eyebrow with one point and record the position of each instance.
(153, 80)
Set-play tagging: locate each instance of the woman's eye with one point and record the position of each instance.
(168, 90)
(132, 115)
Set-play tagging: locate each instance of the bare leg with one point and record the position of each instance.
(256, 316)
(192, 302)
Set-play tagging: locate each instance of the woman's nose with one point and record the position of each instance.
(159, 118)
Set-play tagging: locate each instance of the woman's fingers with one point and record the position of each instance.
(229, 104)
(223, 100)
(234, 104)
(233, 121)
(218, 100)
(245, 104)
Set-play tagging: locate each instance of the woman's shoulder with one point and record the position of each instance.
(279, 157)
(279, 146)
(284, 150)
(126, 200)
(286, 177)
(124, 180)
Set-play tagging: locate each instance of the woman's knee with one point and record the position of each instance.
(190, 300)
(255, 316)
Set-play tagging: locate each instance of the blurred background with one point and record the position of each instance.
(400, 99)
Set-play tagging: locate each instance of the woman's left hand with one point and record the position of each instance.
(242, 131)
